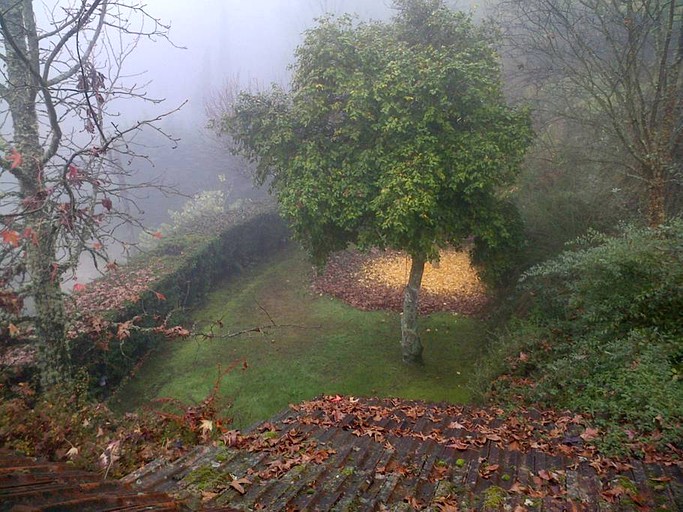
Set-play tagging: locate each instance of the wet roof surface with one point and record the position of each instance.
(28, 484)
(342, 453)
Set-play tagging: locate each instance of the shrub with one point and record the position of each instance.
(65, 424)
(604, 335)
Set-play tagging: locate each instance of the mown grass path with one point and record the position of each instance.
(320, 346)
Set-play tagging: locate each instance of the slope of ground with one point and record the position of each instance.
(307, 344)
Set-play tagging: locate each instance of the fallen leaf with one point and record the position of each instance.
(457, 444)
(78, 287)
(206, 426)
(13, 330)
(612, 495)
(208, 496)
(590, 434)
(238, 484)
(73, 451)
(518, 488)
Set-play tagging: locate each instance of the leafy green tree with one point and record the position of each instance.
(393, 135)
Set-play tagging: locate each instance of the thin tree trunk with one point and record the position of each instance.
(657, 198)
(410, 339)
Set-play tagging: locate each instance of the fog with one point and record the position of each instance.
(211, 43)
(222, 39)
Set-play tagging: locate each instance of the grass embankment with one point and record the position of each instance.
(321, 346)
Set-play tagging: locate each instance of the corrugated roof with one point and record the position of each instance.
(31, 485)
(343, 453)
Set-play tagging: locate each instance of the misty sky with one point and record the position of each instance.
(252, 39)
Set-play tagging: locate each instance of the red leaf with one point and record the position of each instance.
(14, 158)
(97, 246)
(73, 172)
(29, 234)
(10, 237)
(78, 287)
(160, 296)
(157, 235)
(106, 202)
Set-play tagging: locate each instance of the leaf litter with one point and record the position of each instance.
(376, 280)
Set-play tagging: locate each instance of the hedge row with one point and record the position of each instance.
(191, 267)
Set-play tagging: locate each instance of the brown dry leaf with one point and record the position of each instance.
(13, 330)
(590, 434)
(238, 484)
(208, 496)
(206, 426)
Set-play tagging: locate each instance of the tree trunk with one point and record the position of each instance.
(410, 339)
(21, 96)
(656, 211)
(54, 358)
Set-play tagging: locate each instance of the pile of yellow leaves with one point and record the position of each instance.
(453, 274)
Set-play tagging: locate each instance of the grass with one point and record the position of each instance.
(321, 346)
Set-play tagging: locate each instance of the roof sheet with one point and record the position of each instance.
(344, 453)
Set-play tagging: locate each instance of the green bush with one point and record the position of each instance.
(604, 335)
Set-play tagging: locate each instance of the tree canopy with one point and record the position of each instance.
(393, 135)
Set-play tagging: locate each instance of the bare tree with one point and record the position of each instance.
(65, 177)
(617, 66)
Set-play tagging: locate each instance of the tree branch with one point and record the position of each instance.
(74, 31)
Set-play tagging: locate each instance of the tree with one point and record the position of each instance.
(619, 67)
(393, 135)
(64, 190)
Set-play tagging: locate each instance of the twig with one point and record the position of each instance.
(266, 312)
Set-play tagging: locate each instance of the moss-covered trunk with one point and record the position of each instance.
(21, 43)
(411, 345)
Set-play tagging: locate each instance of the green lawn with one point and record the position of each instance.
(322, 346)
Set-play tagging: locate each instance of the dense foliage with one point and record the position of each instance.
(394, 135)
(603, 334)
